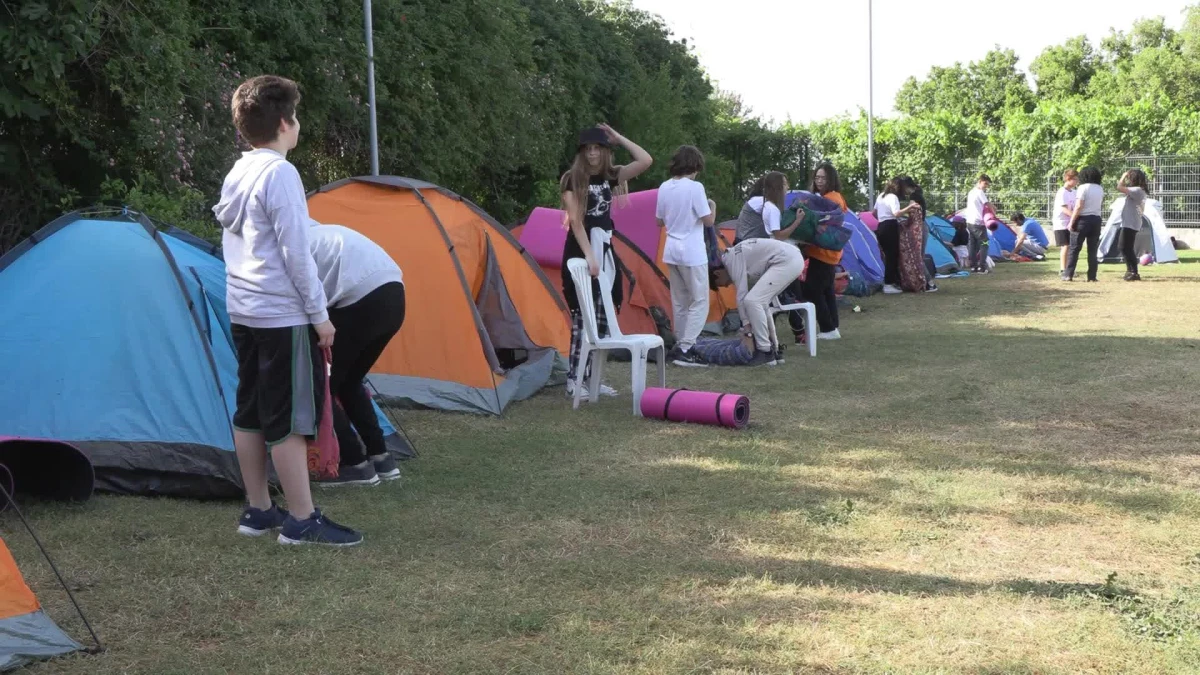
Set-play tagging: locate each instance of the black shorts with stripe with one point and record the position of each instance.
(281, 381)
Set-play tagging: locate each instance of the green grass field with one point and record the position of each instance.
(999, 478)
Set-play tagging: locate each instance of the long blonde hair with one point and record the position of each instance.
(577, 178)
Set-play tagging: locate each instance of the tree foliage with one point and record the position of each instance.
(128, 101)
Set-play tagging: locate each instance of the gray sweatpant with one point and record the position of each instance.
(689, 296)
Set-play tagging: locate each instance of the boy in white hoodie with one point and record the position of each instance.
(277, 308)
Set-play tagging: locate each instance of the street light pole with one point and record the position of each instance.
(371, 87)
(870, 105)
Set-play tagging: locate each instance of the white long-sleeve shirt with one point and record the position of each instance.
(271, 277)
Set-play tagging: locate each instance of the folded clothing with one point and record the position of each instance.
(725, 352)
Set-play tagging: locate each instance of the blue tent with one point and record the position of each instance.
(1001, 239)
(861, 254)
(943, 260)
(116, 340)
(941, 229)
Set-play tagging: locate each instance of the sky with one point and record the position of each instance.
(757, 47)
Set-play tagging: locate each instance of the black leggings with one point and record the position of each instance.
(818, 289)
(1087, 230)
(1128, 238)
(364, 329)
(888, 234)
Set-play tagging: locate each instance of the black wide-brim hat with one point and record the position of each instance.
(594, 136)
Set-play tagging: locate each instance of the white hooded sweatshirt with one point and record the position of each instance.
(271, 277)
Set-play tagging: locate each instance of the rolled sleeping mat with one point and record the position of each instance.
(699, 407)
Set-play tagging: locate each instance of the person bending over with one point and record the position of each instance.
(759, 270)
(365, 290)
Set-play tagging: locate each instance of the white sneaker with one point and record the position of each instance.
(605, 390)
(890, 289)
(834, 334)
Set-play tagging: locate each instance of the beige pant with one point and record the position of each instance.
(689, 295)
(758, 300)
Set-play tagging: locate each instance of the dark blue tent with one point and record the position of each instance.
(116, 340)
(861, 254)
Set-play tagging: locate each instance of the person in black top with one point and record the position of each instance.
(587, 194)
(961, 241)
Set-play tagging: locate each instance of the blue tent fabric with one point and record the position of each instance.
(861, 255)
(102, 348)
(1001, 239)
(941, 229)
(943, 260)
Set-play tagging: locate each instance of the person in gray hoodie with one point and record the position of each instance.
(277, 308)
(365, 292)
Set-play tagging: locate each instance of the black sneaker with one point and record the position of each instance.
(317, 529)
(257, 522)
(762, 358)
(1136, 277)
(385, 466)
(1064, 276)
(357, 474)
(779, 356)
(690, 359)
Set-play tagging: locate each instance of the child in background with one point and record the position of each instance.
(685, 210)
(961, 241)
(1135, 187)
(1064, 206)
(277, 308)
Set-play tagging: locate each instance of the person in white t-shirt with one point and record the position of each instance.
(685, 210)
(888, 212)
(1135, 186)
(977, 199)
(1064, 206)
(1086, 222)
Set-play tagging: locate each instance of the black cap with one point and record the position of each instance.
(593, 136)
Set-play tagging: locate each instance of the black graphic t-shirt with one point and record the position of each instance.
(597, 213)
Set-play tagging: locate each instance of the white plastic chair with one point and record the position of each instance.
(810, 325)
(595, 347)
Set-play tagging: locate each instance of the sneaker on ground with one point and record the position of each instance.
(762, 358)
(317, 529)
(690, 359)
(834, 334)
(357, 474)
(801, 337)
(257, 522)
(891, 289)
(931, 288)
(779, 356)
(385, 466)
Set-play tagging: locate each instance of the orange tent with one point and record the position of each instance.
(483, 326)
(26, 633)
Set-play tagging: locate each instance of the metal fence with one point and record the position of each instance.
(1174, 181)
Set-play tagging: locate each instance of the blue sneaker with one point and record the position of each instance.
(317, 530)
(257, 522)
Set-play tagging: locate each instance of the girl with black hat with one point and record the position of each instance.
(587, 194)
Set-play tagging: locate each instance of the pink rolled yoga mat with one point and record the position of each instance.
(701, 407)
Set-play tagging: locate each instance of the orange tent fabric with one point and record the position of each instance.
(26, 632)
(472, 291)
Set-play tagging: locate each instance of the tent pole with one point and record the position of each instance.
(870, 106)
(371, 86)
